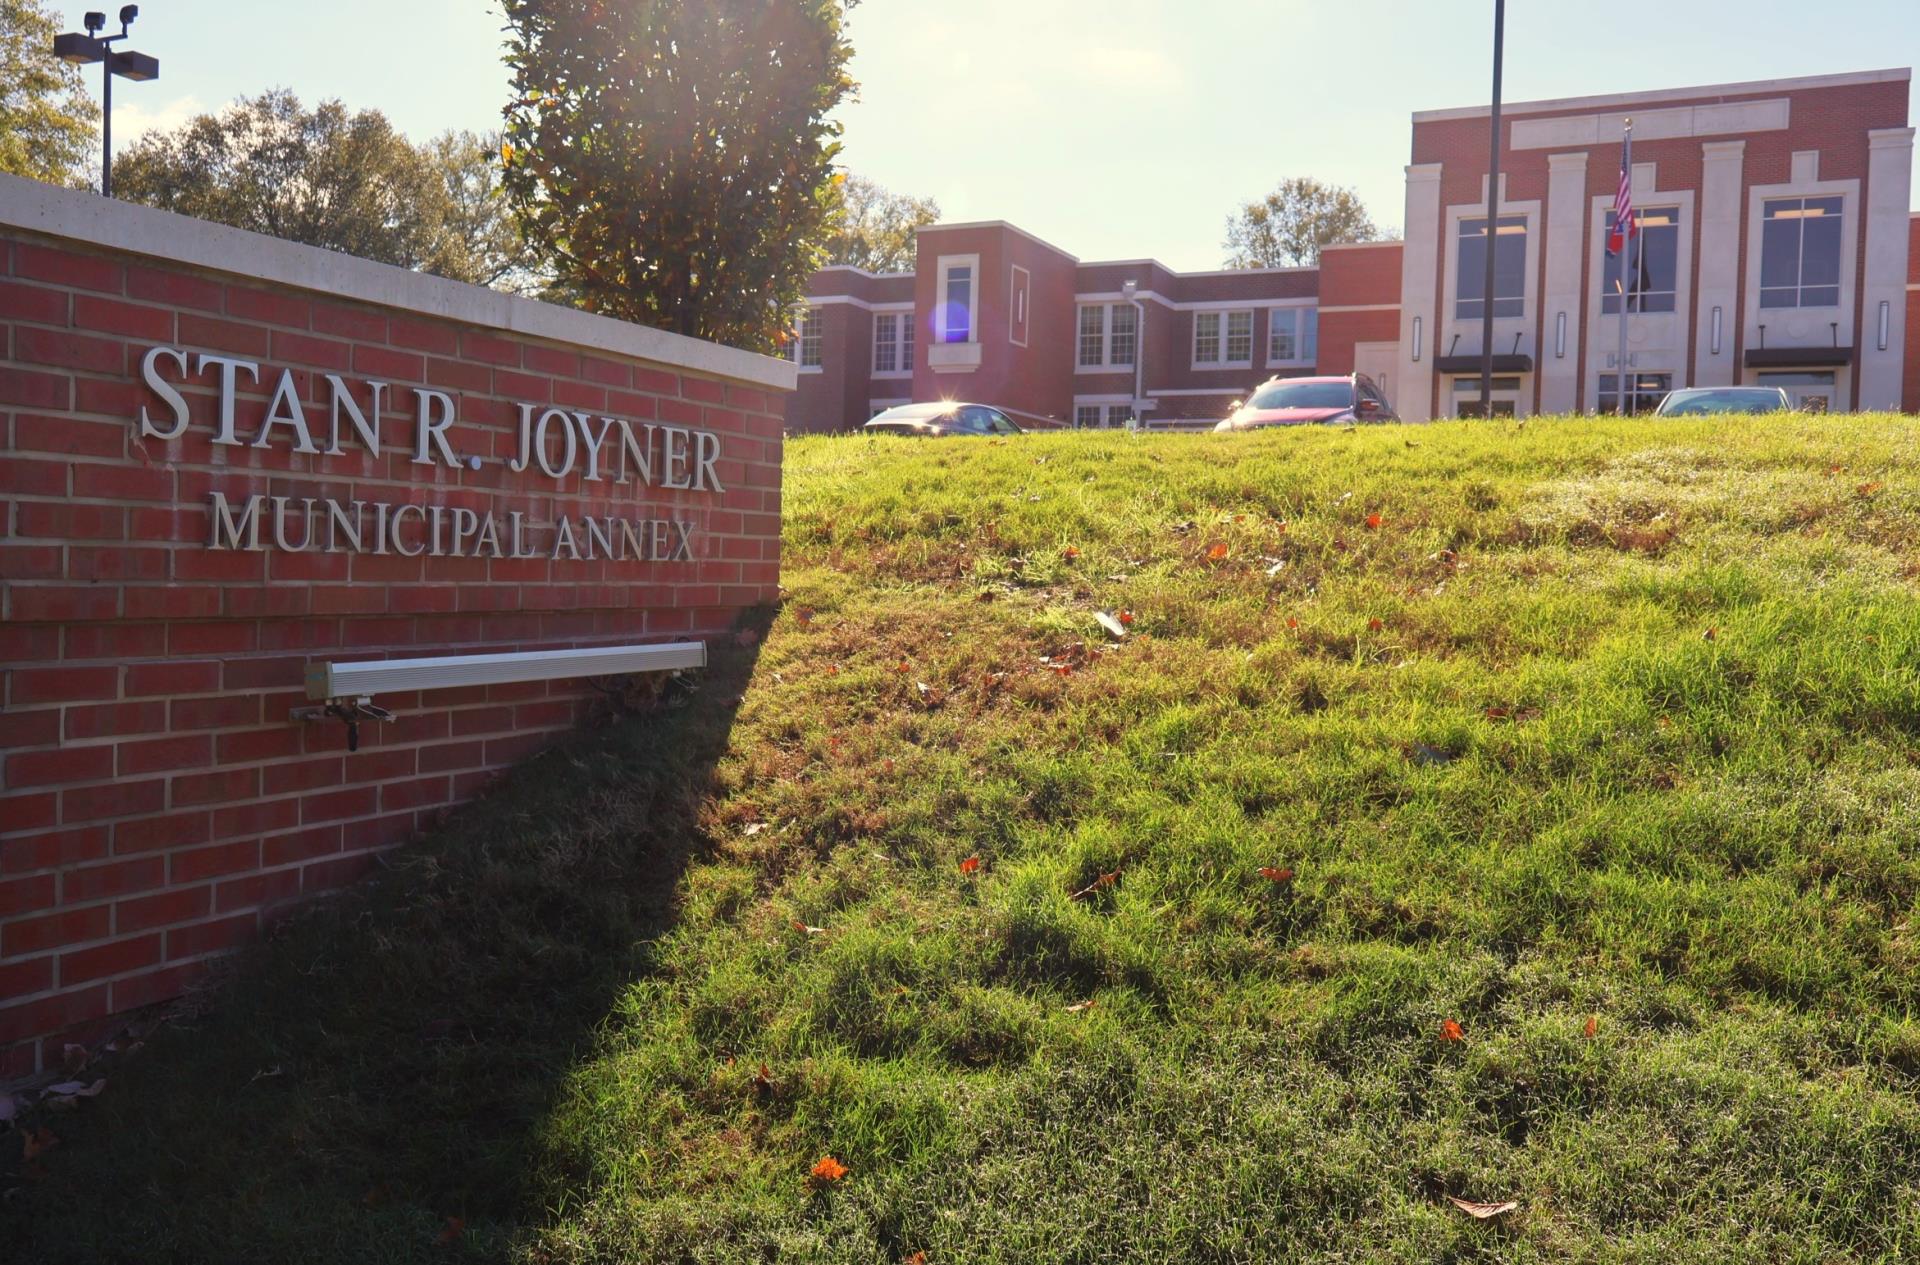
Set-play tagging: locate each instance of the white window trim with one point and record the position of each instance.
(902, 315)
(1019, 303)
(1105, 404)
(1107, 363)
(942, 267)
(804, 311)
(1193, 338)
(1804, 326)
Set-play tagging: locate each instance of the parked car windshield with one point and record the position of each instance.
(917, 412)
(1303, 395)
(1723, 400)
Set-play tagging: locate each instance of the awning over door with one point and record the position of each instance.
(1798, 357)
(1472, 363)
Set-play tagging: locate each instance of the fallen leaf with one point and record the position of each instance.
(886, 766)
(38, 1142)
(1276, 874)
(1374, 521)
(1375, 624)
(1868, 489)
(745, 637)
(763, 1080)
(1277, 568)
(1292, 623)
(970, 866)
(1712, 634)
(1217, 550)
(1451, 1030)
(1064, 669)
(918, 1258)
(74, 1089)
(1070, 553)
(1482, 1212)
(754, 828)
(833, 669)
(803, 616)
(1079, 1006)
(1105, 880)
(828, 1170)
(1496, 713)
(1111, 624)
(455, 1227)
(805, 929)
(904, 667)
(1126, 617)
(1593, 1026)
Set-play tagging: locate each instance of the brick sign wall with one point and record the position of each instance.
(226, 458)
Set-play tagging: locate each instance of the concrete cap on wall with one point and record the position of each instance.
(87, 219)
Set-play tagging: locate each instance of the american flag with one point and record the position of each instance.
(1625, 225)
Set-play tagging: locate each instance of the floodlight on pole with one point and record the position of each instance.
(84, 50)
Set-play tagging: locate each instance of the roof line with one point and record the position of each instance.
(1753, 88)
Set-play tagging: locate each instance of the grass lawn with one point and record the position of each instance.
(1505, 812)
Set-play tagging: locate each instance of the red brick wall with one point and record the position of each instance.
(1353, 278)
(156, 803)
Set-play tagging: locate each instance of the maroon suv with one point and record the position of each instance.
(1302, 401)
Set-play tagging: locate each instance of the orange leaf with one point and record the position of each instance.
(918, 1258)
(1064, 669)
(1105, 880)
(1868, 489)
(1217, 550)
(1292, 622)
(1593, 1026)
(806, 930)
(38, 1142)
(1276, 874)
(1126, 617)
(1482, 1212)
(763, 1080)
(454, 1229)
(804, 616)
(970, 866)
(1496, 713)
(904, 666)
(829, 1169)
(1079, 1006)
(1711, 634)
(1375, 624)
(1374, 521)
(833, 669)
(1451, 1031)
(1069, 552)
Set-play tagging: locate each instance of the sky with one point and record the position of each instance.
(1114, 129)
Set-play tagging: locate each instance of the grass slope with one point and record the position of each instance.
(1598, 739)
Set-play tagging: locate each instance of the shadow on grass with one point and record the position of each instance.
(386, 1063)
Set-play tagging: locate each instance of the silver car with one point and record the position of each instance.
(1707, 401)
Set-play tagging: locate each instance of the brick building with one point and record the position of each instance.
(1777, 249)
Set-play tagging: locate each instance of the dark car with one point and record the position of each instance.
(1706, 401)
(1305, 401)
(947, 417)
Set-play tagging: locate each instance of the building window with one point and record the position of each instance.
(803, 345)
(1292, 335)
(1648, 390)
(1108, 334)
(1093, 336)
(1466, 390)
(1223, 339)
(906, 342)
(1509, 268)
(1099, 416)
(1123, 321)
(886, 343)
(958, 300)
(1800, 252)
(1656, 263)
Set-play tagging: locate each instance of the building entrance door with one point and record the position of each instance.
(1810, 391)
(1377, 361)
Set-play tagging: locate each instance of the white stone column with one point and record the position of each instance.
(1889, 187)
(1559, 354)
(1419, 281)
(1719, 270)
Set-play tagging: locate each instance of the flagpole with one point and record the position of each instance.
(1493, 220)
(1626, 252)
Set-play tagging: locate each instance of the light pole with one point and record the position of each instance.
(84, 50)
(1493, 220)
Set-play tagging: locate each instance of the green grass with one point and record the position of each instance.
(1603, 721)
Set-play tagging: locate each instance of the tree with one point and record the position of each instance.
(347, 182)
(674, 158)
(48, 124)
(873, 229)
(1289, 226)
